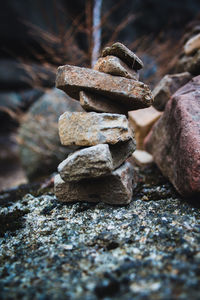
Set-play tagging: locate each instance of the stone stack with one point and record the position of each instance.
(98, 170)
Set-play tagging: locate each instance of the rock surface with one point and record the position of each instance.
(148, 249)
(115, 188)
(131, 93)
(142, 158)
(40, 148)
(142, 120)
(99, 103)
(174, 141)
(189, 63)
(125, 54)
(95, 161)
(89, 129)
(89, 162)
(115, 66)
(168, 85)
(192, 45)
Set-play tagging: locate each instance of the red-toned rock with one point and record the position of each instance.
(174, 141)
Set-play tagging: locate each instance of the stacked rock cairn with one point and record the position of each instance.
(98, 170)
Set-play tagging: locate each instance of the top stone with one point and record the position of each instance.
(126, 55)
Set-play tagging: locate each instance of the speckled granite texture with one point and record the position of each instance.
(146, 250)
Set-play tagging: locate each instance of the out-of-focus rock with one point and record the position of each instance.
(89, 129)
(19, 100)
(130, 93)
(40, 148)
(168, 85)
(174, 141)
(125, 54)
(115, 66)
(189, 64)
(99, 103)
(116, 188)
(17, 75)
(141, 121)
(142, 158)
(192, 44)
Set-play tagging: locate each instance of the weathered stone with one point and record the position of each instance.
(89, 129)
(115, 66)
(131, 93)
(95, 161)
(121, 151)
(126, 55)
(189, 63)
(166, 88)
(192, 45)
(89, 162)
(98, 103)
(142, 158)
(174, 141)
(141, 121)
(113, 189)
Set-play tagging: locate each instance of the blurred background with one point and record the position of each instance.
(38, 36)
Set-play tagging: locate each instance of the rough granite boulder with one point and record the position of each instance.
(174, 141)
(116, 188)
(168, 85)
(189, 63)
(89, 129)
(95, 161)
(132, 94)
(125, 54)
(115, 66)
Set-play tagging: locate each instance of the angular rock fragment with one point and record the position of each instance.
(121, 151)
(174, 141)
(192, 45)
(89, 162)
(89, 129)
(116, 188)
(142, 120)
(126, 55)
(131, 93)
(95, 161)
(115, 66)
(168, 85)
(98, 103)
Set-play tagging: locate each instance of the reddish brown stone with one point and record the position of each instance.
(131, 93)
(174, 141)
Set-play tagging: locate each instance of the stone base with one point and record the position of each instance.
(113, 189)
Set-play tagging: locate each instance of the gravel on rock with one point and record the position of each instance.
(146, 250)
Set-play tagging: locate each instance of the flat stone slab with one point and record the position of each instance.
(95, 161)
(116, 188)
(98, 103)
(168, 85)
(125, 54)
(89, 129)
(115, 66)
(131, 93)
(141, 121)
